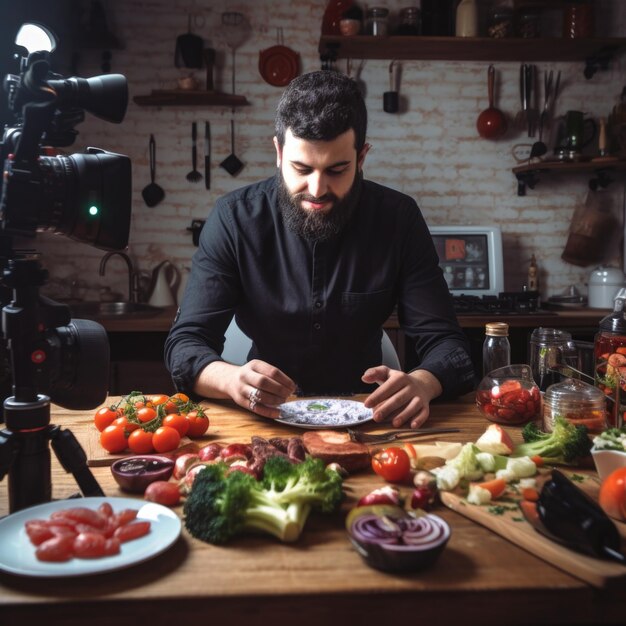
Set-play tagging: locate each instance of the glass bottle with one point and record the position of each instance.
(376, 23)
(496, 347)
(610, 361)
(500, 21)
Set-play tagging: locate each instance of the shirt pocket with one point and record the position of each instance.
(371, 306)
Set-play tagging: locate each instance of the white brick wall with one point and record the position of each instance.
(431, 151)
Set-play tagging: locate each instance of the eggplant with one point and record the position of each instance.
(577, 521)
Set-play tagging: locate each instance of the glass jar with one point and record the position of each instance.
(578, 20)
(496, 347)
(576, 401)
(552, 352)
(509, 395)
(409, 21)
(610, 361)
(500, 22)
(377, 21)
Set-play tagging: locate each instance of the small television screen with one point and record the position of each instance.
(470, 258)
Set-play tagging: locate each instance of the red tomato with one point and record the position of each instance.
(126, 424)
(113, 438)
(613, 494)
(134, 530)
(177, 421)
(104, 417)
(163, 492)
(198, 423)
(165, 439)
(89, 545)
(146, 414)
(105, 510)
(393, 464)
(59, 548)
(140, 441)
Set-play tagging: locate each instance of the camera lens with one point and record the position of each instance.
(84, 196)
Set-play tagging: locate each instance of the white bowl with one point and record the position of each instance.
(607, 461)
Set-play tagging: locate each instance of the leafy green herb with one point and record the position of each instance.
(500, 509)
(577, 478)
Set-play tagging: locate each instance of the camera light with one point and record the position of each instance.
(93, 210)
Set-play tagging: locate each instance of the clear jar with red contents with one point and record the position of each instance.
(610, 361)
(509, 395)
(578, 402)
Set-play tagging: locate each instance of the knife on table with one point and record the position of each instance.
(207, 155)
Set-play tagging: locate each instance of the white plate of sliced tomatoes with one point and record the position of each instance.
(17, 553)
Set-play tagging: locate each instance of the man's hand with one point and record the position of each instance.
(256, 386)
(401, 398)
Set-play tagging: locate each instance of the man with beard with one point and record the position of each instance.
(312, 262)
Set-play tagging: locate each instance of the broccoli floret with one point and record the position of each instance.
(309, 482)
(565, 445)
(223, 504)
(532, 432)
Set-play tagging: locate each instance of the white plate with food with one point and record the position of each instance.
(17, 553)
(324, 413)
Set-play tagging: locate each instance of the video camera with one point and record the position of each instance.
(84, 196)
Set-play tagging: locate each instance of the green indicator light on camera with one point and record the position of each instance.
(93, 210)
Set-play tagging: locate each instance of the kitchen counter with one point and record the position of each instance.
(558, 319)
(480, 578)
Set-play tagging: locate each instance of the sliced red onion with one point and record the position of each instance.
(402, 533)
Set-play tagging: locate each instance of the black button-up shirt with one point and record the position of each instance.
(315, 309)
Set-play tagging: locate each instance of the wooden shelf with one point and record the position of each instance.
(469, 48)
(599, 171)
(180, 97)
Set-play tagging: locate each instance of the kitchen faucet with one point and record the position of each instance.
(133, 284)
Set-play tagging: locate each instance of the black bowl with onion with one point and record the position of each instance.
(135, 473)
(398, 541)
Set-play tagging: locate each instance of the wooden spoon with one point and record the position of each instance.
(491, 123)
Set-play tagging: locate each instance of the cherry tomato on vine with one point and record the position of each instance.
(158, 399)
(393, 464)
(113, 438)
(146, 414)
(165, 439)
(104, 417)
(198, 423)
(177, 421)
(125, 423)
(140, 441)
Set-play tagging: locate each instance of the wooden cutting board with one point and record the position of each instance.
(97, 456)
(506, 519)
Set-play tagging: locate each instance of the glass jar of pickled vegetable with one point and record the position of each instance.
(577, 402)
(610, 361)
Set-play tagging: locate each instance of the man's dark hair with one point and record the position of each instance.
(321, 106)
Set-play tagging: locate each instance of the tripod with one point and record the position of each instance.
(24, 451)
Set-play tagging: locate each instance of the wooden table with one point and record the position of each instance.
(480, 578)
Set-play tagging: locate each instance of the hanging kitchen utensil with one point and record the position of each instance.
(521, 119)
(279, 65)
(152, 193)
(235, 30)
(207, 155)
(194, 176)
(391, 98)
(189, 49)
(231, 163)
(491, 123)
